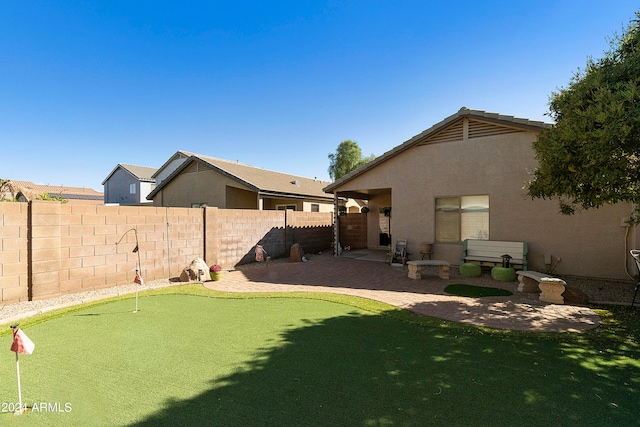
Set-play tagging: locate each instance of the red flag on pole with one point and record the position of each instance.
(21, 342)
(138, 279)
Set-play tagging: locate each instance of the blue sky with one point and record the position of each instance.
(85, 85)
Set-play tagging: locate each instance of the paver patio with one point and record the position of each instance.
(379, 281)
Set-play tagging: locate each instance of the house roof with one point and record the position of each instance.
(262, 181)
(31, 190)
(141, 173)
(437, 133)
(178, 154)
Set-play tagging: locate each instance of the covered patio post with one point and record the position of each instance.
(336, 226)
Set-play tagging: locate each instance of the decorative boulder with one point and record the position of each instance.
(296, 253)
(192, 272)
(575, 296)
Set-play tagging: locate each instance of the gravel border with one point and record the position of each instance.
(12, 312)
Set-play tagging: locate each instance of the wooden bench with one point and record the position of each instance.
(415, 268)
(489, 252)
(551, 288)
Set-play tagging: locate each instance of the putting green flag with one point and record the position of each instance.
(138, 279)
(21, 342)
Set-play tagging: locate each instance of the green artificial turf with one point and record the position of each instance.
(313, 359)
(476, 291)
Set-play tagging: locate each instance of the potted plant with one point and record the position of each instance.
(215, 271)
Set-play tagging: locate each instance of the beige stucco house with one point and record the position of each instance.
(465, 177)
(199, 180)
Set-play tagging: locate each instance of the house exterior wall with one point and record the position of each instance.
(269, 203)
(117, 189)
(237, 198)
(170, 167)
(591, 243)
(144, 189)
(322, 206)
(204, 186)
(201, 185)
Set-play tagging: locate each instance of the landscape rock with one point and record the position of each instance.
(190, 272)
(296, 253)
(573, 295)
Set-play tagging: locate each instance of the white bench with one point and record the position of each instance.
(551, 288)
(490, 252)
(415, 268)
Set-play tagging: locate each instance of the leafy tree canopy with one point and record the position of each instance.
(591, 155)
(347, 157)
(7, 191)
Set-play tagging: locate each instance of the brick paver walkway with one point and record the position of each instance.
(379, 281)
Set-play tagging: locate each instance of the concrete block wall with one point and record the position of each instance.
(233, 233)
(14, 280)
(353, 230)
(49, 249)
(312, 230)
(73, 247)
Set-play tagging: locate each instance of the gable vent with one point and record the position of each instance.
(196, 167)
(448, 134)
(478, 129)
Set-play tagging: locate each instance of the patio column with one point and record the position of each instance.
(336, 227)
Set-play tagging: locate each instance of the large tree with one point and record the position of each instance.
(591, 155)
(8, 191)
(347, 157)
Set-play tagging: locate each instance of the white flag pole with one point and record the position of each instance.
(19, 409)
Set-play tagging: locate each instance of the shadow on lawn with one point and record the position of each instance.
(376, 370)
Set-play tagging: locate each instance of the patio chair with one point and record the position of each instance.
(636, 257)
(399, 254)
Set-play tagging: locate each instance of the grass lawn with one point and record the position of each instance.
(195, 357)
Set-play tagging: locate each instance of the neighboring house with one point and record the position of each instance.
(129, 185)
(207, 181)
(355, 205)
(465, 177)
(170, 165)
(26, 191)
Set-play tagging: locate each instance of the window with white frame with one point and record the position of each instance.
(463, 217)
(132, 188)
(286, 207)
